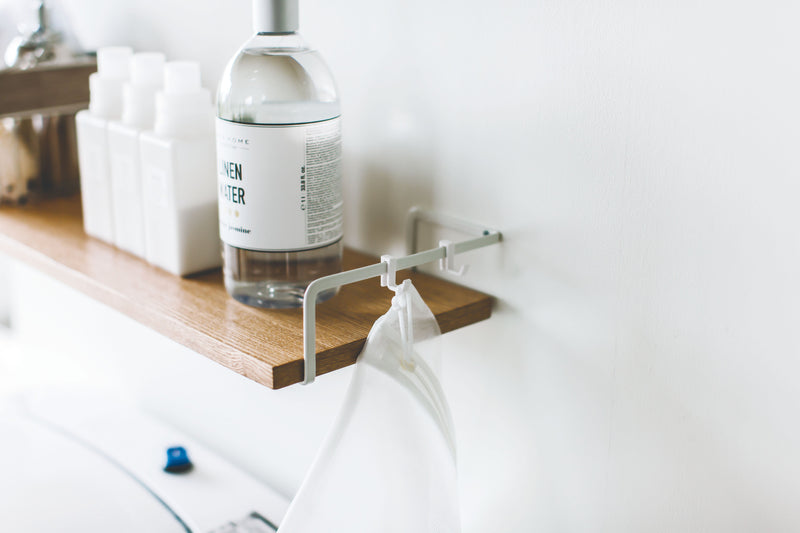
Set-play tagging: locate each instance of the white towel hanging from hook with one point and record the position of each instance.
(389, 280)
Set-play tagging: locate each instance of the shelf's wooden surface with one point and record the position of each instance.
(263, 345)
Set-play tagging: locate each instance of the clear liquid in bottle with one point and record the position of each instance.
(279, 165)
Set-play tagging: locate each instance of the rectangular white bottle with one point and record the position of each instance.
(179, 176)
(138, 115)
(105, 104)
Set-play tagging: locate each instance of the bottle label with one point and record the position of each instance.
(280, 187)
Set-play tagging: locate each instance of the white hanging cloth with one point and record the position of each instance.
(388, 464)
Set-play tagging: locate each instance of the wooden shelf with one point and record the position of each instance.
(262, 345)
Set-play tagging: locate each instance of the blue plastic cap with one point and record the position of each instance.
(177, 460)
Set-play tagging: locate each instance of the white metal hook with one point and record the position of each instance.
(448, 262)
(390, 278)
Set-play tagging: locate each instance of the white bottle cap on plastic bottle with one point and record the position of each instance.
(139, 94)
(105, 85)
(113, 62)
(183, 107)
(275, 16)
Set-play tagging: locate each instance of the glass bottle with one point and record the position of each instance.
(279, 164)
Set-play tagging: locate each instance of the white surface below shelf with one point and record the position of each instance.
(78, 461)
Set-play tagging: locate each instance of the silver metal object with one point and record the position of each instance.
(40, 46)
(38, 148)
(275, 16)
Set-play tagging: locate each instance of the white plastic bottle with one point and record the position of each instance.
(105, 104)
(138, 115)
(178, 175)
(279, 164)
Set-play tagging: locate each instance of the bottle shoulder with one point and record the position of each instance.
(277, 79)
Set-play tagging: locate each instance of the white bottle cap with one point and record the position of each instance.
(139, 94)
(147, 68)
(183, 108)
(112, 62)
(105, 85)
(275, 16)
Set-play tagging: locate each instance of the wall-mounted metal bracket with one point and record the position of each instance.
(446, 251)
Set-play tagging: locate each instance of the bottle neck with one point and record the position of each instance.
(139, 105)
(287, 42)
(105, 96)
(289, 38)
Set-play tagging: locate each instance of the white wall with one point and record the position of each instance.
(638, 374)
(5, 303)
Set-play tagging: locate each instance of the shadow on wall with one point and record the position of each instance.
(395, 172)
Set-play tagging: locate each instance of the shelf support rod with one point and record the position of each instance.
(487, 236)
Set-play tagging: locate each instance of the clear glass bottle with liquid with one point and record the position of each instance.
(279, 164)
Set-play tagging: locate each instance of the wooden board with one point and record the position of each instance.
(45, 87)
(262, 345)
